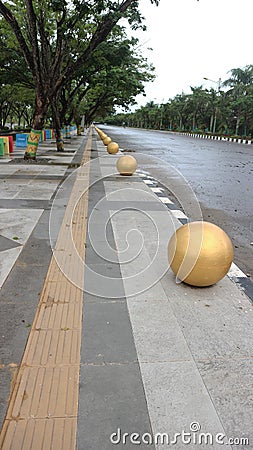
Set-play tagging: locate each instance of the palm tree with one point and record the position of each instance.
(240, 83)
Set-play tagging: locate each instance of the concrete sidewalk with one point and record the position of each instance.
(135, 352)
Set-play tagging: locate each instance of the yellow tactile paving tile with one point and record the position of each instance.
(53, 347)
(45, 392)
(43, 434)
(59, 316)
(67, 294)
(43, 407)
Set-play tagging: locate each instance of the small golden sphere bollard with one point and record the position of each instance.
(200, 253)
(113, 148)
(107, 140)
(126, 165)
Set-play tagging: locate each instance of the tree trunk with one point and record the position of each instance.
(68, 134)
(59, 140)
(193, 122)
(57, 126)
(237, 124)
(77, 120)
(41, 107)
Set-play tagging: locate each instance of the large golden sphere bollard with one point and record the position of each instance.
(200, 253)
(126, 165)
(113, 148)
(107, 140)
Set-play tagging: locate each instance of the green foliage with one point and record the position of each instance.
(115, 75)
(54, 44)
(16, 104)
(226, 111)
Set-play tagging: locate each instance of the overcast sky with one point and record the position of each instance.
(194, 39)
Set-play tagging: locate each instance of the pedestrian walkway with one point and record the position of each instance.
(117, 353)
(48, 360)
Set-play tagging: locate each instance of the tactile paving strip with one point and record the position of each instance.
(43, 408)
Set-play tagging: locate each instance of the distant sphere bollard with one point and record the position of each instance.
(107, 140)
(126, 165)
(113, 148)
(200, 253)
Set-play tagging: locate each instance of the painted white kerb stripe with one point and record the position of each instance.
(157, 190)
(178, 214)
(149, 181)
(235, 272)
(166, 200)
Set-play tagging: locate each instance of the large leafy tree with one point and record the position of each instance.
(117, 84)
(113, 78)
(16, 84)
(47, 32)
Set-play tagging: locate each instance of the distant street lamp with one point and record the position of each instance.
(218, 92)
(213, 81)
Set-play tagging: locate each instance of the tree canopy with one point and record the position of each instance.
(58, 38)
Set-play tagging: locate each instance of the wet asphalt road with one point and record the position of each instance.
(220, 173)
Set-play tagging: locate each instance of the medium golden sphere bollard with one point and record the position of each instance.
(113, 148)
(126, 165)
(107, 140)
(200, 253)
